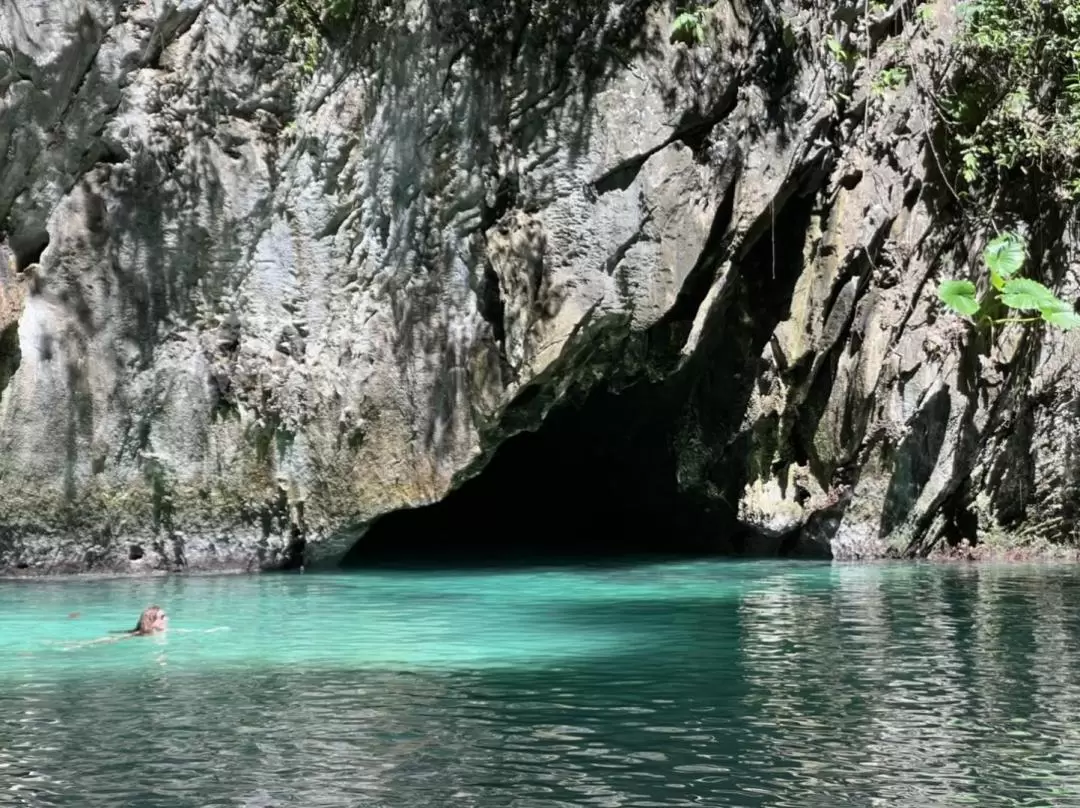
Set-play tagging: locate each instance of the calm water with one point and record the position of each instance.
(690, 684)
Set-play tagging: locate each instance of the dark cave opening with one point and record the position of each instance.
(28, 248)
(596, 481)
(600, 479)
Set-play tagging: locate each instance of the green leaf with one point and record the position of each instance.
(1027, 295)
(1062, 315)
(1005, 254)
(687, 28)
(839, 52)
(959, 296)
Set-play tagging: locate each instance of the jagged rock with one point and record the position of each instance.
(272, 302)
(12, 300)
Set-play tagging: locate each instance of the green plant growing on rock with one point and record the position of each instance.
(688, 27)
(1015, 104)
(310, 22)
(316, 13)
(1028, 300)
(338, 11)
(888, 79)
(840, 53)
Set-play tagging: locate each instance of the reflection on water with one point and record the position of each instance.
(759, 684)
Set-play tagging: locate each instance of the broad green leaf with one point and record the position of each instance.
(959, 296)
(1005, 254)
(687, 28)
(996, 281)
(1062, 315)
(1027, 295)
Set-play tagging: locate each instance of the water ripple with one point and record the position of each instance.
(679, 685)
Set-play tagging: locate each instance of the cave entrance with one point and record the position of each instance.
(595, 481)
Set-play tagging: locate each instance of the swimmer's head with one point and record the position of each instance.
(152, 620)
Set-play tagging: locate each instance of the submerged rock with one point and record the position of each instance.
(255, 294)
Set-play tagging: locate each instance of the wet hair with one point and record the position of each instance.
(147, 619)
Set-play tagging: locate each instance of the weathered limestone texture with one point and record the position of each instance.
(251, 298)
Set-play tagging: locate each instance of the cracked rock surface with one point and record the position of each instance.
(248, 306)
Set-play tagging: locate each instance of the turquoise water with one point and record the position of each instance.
(683, 684)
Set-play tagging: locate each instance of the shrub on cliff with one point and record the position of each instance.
(1016, 101)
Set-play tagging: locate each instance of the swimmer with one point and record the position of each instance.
(153, 620)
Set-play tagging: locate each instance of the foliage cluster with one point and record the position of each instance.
(840, 53)
(1026, 300)
(688, 27)
(1016, 104)
(888, 79)
(309, 21)
(1013, 119)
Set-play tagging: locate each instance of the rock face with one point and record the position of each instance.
(265, 277)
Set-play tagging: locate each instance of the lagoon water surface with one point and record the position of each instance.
(678, 684)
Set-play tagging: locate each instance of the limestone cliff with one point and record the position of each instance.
(266, 275)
